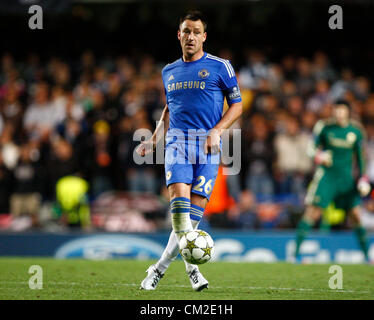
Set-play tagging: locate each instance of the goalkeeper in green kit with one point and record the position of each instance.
(338, 141)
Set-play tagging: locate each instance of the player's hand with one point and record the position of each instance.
(324, 158)
(363, 186)
(212, 143)
(145, 147)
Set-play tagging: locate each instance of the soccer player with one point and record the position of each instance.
(337, 142)
(195, 87)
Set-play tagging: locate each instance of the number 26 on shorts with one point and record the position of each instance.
(207, 187)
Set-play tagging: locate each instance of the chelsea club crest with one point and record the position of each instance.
(204, 73)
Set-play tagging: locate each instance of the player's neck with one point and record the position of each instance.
(198, 55)
(343, 124)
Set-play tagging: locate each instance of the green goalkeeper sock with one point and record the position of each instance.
(302, 229)
(362, 240)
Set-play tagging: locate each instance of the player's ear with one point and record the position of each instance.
(204, 38)
(179, 34)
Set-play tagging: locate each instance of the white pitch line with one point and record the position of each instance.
(186, 286)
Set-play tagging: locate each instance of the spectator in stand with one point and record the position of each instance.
(59, 164)
(276, 78)
(13, 80)
(123, 152)
(12, 112)
(361, 88)
(289, 89)
(340, 87)
(295, 106)
(9, 148)
(112, 104)
(26, 192)
(247, 218)
(304, 79)
(141, 178)
(370, 151)
(6, 186)
(308, 120)
(40, 117)
(322, 70)
(292, 161)
(320, 98)
(255, 69)
(288, 64)
(368, 111)
(75, 133)
(100, 153)
(258, 156)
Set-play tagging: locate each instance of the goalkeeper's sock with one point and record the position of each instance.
(180, 215)
(362, 240)
(302, 229)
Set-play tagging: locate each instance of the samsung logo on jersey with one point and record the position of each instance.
(183, 85)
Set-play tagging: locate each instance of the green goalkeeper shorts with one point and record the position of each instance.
(328, 186)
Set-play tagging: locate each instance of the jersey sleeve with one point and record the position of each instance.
(163, 83)
(229, 83)
(318, 139)
(319, 134)
(359, 151)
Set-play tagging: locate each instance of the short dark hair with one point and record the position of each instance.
(342, 101)
(194, 15)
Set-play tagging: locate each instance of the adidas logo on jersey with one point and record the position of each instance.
(171, 78)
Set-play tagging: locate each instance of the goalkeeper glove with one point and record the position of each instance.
(363, 186)
(324, 158)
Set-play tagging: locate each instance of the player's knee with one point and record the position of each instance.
(355, 215)
(312, 214)
(177, 190)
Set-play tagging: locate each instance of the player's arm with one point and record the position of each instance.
(359, 151)
(213, 140)
(363, 184)
(229, 85)
(147, 146)
(316, 148)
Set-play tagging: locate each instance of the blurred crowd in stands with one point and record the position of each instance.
(76, 119)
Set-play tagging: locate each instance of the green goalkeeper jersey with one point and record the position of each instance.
(336, 183)
(344, 143)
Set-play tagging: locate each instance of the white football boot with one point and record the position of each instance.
(151, 280)
(198, 282)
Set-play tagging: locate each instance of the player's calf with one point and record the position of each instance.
(312, 214)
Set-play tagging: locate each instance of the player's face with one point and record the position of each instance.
(191, 35)
(341, 114)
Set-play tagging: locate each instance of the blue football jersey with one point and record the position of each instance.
(195, 91)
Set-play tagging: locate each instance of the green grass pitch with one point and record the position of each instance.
(120, 279)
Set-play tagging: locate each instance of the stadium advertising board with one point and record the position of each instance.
(269, 247)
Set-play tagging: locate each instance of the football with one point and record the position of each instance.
(196, 247)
